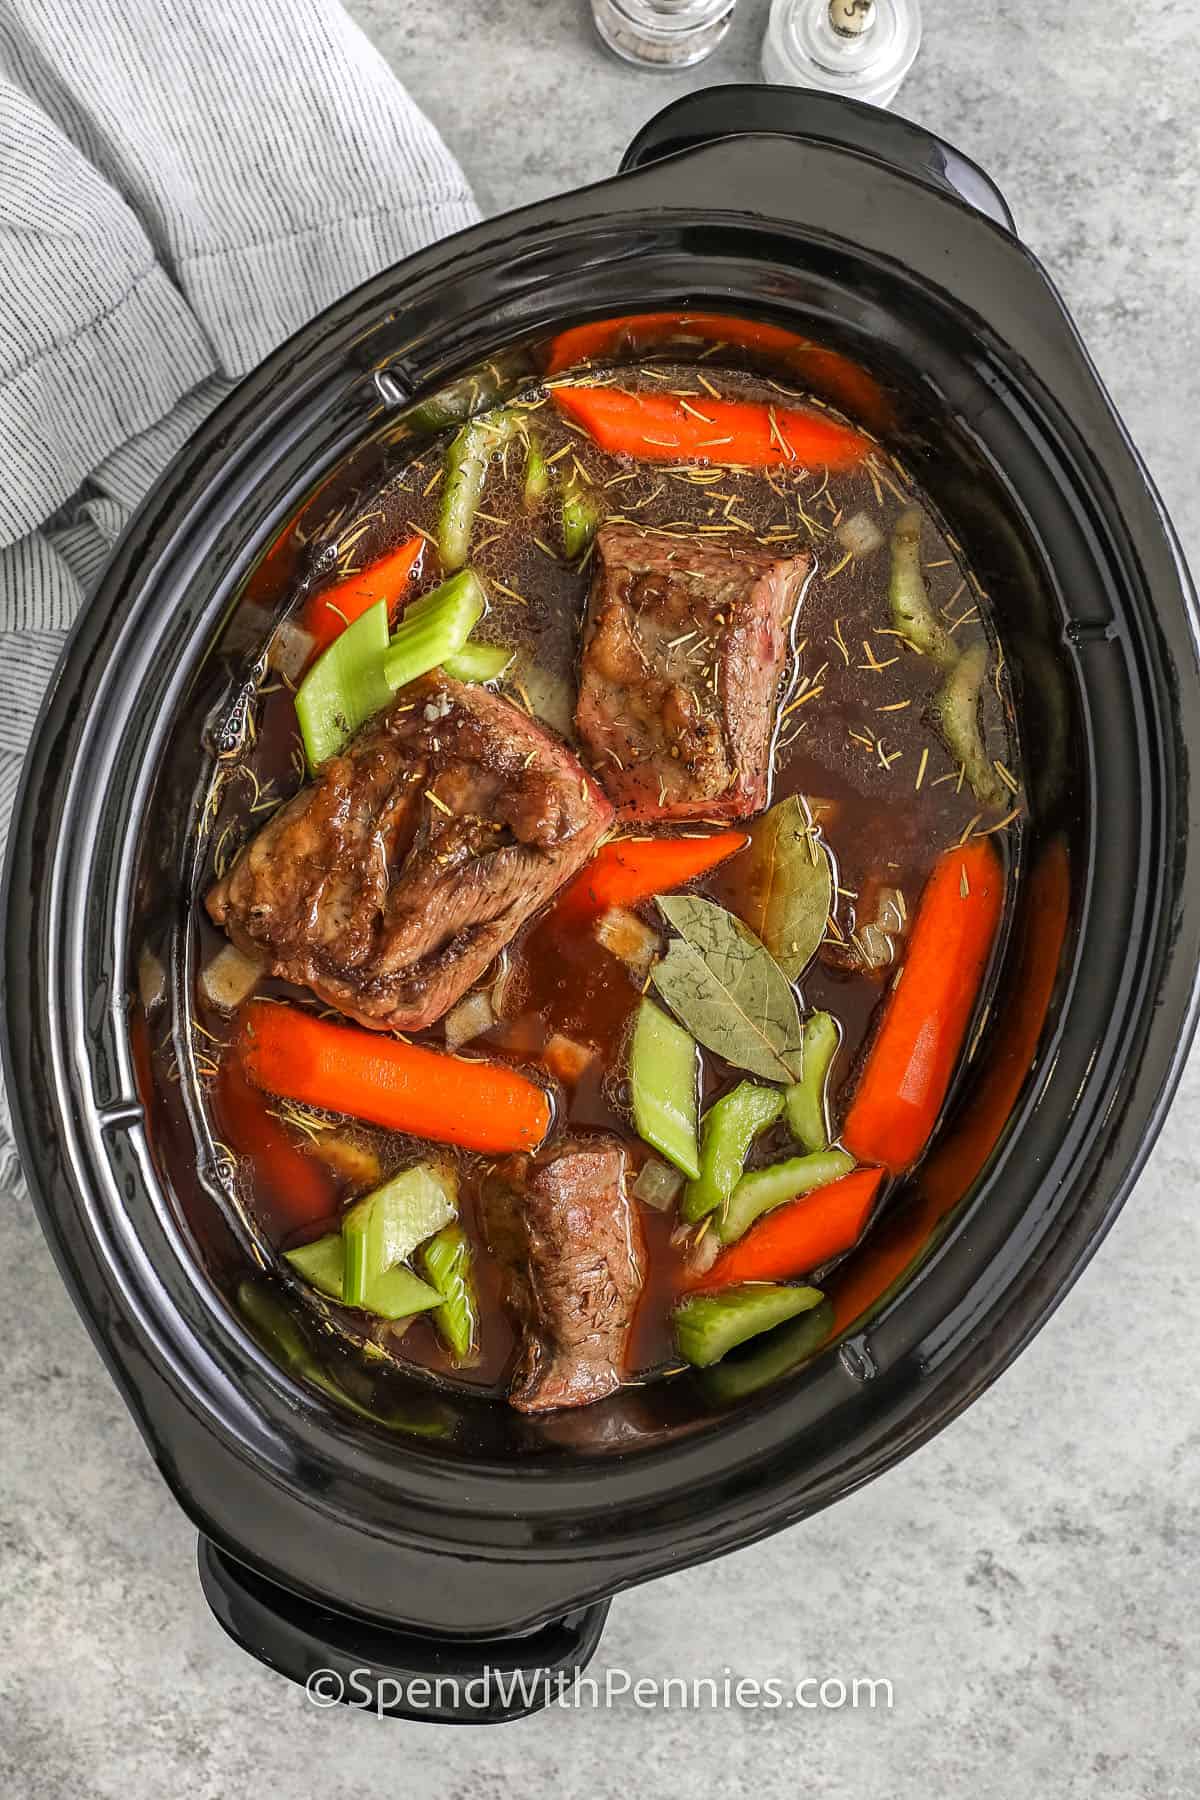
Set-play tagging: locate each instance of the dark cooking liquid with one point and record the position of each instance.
(854, 737)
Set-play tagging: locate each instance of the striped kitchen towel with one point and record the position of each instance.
(182, 184)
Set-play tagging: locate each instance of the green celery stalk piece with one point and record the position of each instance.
(321, 1263)
(913, 613)
(385, 1227)
(273, 1325)
(707, 1326)
(956, 712)
(581, 513)
(765, 1189)
(435, 628)
(478, 662)
(396, 1294)
(663, 1066)
(537, 477)
(730, 1127)
(782, 1351)
(446, 1262)
(345, 686)
(805, 1099)
(467, 462)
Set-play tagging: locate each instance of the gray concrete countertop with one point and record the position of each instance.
(1027, 1581)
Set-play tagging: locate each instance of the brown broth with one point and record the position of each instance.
(854, 735)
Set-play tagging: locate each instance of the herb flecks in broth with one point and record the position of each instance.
(891, 745)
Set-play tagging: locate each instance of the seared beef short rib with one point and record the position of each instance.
(684, 647)
(570, 1240)
(390, 881)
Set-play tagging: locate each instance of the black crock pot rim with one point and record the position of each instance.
(44, 1162)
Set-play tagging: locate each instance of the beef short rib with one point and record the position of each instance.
(389, 883)
(684, 647)
(570, 1240)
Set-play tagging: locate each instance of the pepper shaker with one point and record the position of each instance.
(663, 34)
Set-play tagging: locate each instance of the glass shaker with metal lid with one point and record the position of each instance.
(861, 49)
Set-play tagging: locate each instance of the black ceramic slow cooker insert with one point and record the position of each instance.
(438, 1531)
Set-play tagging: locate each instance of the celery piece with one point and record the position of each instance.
(345, 686)
(467, 461)
(913, 613)
(786, 1348)
(434, 628)
(764, 1189)
(805, 1099)
(478, 662)
(396, 1294)
(321, 1263)
(537, 477)
(385, 1227)
(446, 1261)
(662, 1080)
(582, 511)
(956, 713)
(709, 1325)
(730, 1127)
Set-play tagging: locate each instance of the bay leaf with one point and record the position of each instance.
(785, 891)
(728, 990)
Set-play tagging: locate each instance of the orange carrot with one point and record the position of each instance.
(637, 331)
(632, 869)
(908, 1069)
(661, 428)
(800, 1235)
(328, 613)
(962, 1152)
(290, 1188)
(405, 1087)
(826, 372)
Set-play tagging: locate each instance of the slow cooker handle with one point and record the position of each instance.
(740, 107)
(404, 1675)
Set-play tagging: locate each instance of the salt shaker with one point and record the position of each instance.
(663, 34)
(862, 49)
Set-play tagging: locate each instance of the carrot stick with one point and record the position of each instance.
(405, 1087)
(631, 869)
(328, 613)
(908, 1069)
(660, 428)
(637, 331)
(800, 1235)
(962, 1152)
(291, 1189)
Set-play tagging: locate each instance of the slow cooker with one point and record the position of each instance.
(441, 1533)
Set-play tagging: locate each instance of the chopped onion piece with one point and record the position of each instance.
(630, 939)
(470, 1018)
(702, 1252)
(230, 978)
(859, 534)
(352, 1162)
(567, 1059)
(152, 981)
(891, 914)
(658, 1184)
(290, 649)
